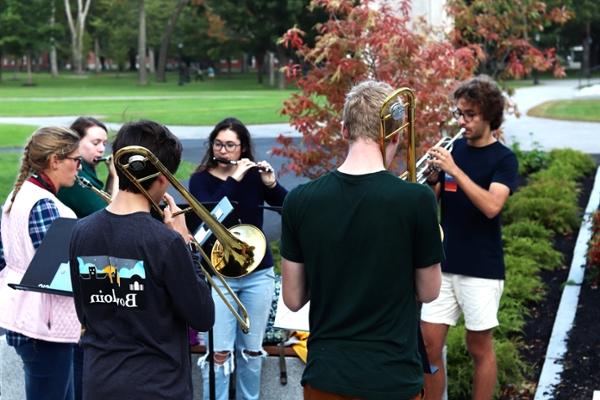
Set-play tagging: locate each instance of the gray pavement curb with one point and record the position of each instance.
(557, 347)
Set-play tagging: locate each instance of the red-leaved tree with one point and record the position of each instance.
(506, 30)
(361, 40)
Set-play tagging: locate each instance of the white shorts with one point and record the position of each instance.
(477, 298)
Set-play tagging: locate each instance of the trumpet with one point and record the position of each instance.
(235, 162)
(83, 182)
(423, 168)
(237, 252)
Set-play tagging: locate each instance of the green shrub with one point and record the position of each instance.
(526, 228)
(559, 216)
(276, 256)
(530, 161)
(540, 251)
(583, 163)
(557, 172)
(550, 189)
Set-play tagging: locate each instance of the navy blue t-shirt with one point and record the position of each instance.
(472, 241)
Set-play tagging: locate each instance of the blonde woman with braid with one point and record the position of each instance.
(42, 328)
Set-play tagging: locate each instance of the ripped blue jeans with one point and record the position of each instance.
(256, 293)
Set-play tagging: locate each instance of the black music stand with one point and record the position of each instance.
(49, 271)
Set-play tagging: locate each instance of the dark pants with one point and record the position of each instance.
(48, 369)
(77, 371)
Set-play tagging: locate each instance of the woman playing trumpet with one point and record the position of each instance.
(80, 199)
(228, 169)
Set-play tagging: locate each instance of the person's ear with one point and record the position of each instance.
(345, 133)
(53, 162)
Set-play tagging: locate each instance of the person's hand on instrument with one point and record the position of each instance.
(443, 160)
(267, 174)
(242, 167)
(176, 223)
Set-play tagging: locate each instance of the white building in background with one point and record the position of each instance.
(433, 12)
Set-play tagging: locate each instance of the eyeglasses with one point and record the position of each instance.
(229, 146)
(467, 115)
(77, 160)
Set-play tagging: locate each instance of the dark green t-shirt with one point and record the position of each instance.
(82, 200)
(360, 238)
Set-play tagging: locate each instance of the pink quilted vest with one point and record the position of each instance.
(40, 316)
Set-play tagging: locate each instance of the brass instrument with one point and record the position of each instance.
(83, 182)
(237, 252)
(396, 114)
(105, 159)
(423, 168)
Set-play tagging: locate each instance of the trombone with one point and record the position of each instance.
(396, 114)
(231, 256)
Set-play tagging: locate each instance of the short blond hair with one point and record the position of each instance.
(361, 109)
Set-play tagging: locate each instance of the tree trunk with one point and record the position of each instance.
(586, 50)
(260, 63)
(97, 65)
(166, 40)
(1, 63)
(29, 75)
(53, 60)
(77, 28)
(282, 62)
(271, 59)
(151, 60)
(142, 73)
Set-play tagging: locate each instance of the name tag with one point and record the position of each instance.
(450, 183)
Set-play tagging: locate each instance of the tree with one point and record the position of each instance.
(587, 14)
(142, 71)
(257, 24)
(166, 40)
(77, 28)
(505, 29)
(359, 42)
(24, 29)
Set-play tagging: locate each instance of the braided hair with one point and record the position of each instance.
(40, 146)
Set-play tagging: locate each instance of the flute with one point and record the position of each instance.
(102, 159)
(234, 162)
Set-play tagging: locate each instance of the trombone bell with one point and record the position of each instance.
(238, 262)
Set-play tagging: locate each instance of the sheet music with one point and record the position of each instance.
(220, 212)
(287, 319)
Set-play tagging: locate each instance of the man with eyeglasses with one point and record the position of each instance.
(474, 181)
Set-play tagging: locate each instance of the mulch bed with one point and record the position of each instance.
(581, 375)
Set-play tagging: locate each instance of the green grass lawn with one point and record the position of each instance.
(575, 110)
(9, 166)
(121, 99)
(15, 135)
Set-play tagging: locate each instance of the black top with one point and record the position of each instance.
(361, 239)
(136, 290)
(248, 194)
(472, 241)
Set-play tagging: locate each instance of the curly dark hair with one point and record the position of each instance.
(485, 93)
